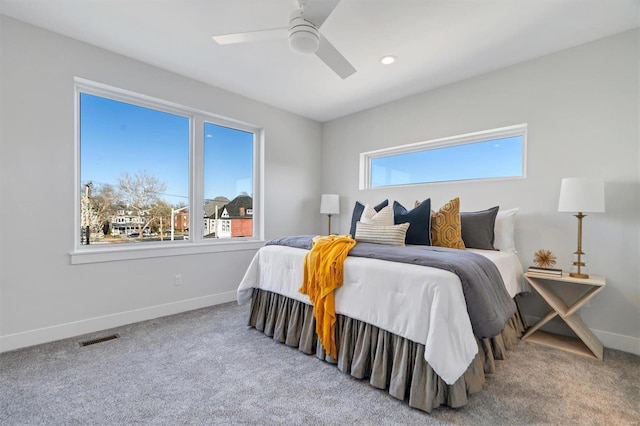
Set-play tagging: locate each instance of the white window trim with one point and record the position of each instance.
(481, 136)
(197, 244)
(168, 248)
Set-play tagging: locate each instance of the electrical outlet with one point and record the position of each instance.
(177, 279)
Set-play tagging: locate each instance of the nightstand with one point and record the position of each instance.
(585, 343)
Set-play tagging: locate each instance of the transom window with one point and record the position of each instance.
(151, 171)
(491, 154)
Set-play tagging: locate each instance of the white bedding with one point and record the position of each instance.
(423, 304)
(510, 269)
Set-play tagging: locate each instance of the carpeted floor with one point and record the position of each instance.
(207, 367)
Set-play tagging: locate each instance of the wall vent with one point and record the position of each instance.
(99, 340)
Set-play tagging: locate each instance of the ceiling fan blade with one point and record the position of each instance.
(262, 35)
(334, 59)
(317, 11)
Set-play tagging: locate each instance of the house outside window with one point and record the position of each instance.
(237, 218)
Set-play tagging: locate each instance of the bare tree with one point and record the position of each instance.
(141, 192)
(103, 200)
(160, 214)
(91, 228)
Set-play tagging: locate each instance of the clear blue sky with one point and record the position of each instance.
(228, 162)
(117, 137)
(494, 158)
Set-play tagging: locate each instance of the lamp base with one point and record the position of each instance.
(578, 275)
(579, 260)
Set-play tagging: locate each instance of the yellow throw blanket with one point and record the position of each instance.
(323, 273)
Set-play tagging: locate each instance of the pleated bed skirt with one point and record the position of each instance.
(388, 361)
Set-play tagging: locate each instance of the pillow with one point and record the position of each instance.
(445, 226)
(371, 217)
(357, 213)
(477, 228)
(381, 234)
(419, 218)
(504, 230)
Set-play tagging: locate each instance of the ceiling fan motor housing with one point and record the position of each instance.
(303, 35)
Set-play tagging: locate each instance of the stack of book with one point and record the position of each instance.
(545, 271)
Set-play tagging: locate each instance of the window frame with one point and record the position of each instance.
(464, 139)
(196, 243)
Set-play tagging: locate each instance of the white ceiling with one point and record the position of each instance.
(437, 42)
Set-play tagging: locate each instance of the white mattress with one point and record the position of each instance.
(423, 304)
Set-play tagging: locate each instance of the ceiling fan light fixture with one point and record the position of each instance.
(304, 42)
(303, 35)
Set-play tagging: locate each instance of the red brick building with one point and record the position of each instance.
(181, 221)
(236, 219)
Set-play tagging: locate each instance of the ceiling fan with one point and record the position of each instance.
(303, 34)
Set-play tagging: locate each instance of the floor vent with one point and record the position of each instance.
(99, 340)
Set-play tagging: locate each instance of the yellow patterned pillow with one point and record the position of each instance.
(445, 226)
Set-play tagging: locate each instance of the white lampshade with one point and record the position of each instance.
(581, 195)
(330, 204)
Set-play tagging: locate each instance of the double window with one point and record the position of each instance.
(491, 154)
(150, 171)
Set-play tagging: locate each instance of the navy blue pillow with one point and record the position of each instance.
(419, 231)
(357, 213)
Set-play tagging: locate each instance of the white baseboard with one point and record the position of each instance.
(76, 328)
(609, 340)
(90, 325)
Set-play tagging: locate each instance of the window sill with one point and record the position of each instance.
(112, 254)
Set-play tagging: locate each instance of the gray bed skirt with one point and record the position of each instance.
(386, 360)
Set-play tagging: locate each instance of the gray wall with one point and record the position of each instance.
(42, 296)
(582, 108)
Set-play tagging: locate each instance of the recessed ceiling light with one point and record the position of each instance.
(387, 60)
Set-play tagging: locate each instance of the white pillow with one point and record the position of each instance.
(371, 217)
(504, 230)
(382, 234)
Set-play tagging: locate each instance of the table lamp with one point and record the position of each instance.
(581, 195)
(330, 205)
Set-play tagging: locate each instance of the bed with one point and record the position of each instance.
(403, 327)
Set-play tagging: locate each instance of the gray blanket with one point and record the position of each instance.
(488, 303)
